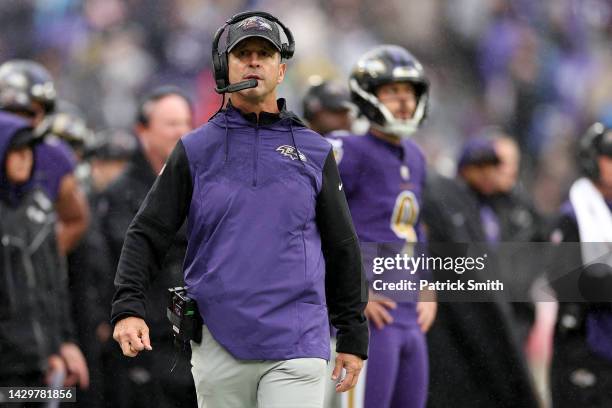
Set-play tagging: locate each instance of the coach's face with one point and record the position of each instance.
(256, 58)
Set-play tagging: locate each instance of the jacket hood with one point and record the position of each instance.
(233, 118)
(10, 125)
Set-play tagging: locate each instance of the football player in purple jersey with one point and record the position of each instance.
(383, 175)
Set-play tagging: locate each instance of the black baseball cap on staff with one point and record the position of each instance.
(255, 26)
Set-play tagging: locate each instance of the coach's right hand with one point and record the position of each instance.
(132, 334)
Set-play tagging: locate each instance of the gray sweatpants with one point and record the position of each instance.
(222, 381)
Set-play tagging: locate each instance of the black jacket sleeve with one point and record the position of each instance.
(68, 332)
(345, 283)
(150, 235)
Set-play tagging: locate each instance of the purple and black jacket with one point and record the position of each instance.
(271, 246)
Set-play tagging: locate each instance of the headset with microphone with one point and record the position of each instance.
(219, 59)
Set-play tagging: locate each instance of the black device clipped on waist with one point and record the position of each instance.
(183, 314)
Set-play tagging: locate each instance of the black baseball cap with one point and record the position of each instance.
(255, 26)
(327, 95)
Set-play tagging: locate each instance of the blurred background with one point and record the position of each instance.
(540, 70)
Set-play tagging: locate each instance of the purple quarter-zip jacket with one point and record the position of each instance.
(271, 245)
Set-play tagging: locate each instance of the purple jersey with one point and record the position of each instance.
(384, 185)
(53, 160)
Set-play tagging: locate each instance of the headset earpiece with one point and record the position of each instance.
(219, 60)
(223, 69)
(218, 70)
(286, 51)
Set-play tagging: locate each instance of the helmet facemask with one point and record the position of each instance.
(388, 123)
(385, 65)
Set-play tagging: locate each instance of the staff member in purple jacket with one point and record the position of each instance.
(383, 174)
(271, 245)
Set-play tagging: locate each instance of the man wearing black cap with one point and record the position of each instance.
(327, 107)
(272, 254)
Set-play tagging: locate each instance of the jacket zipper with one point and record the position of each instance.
(256, 153)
